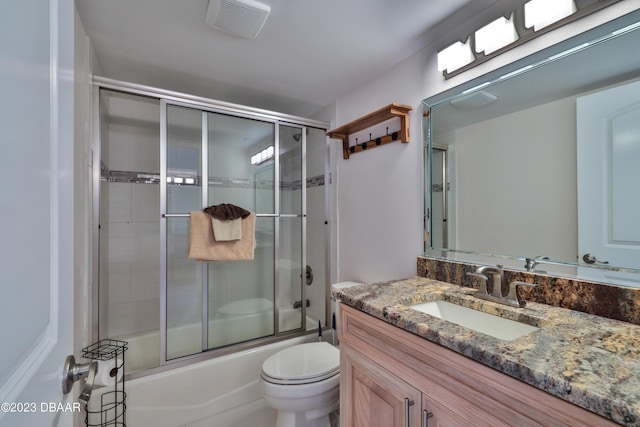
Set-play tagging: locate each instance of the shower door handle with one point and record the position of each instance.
(308, 275)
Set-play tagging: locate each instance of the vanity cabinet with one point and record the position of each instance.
(390, 377)
(377, 397)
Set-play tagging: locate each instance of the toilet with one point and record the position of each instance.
(302, 383)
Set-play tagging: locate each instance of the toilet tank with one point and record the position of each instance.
(335, 315)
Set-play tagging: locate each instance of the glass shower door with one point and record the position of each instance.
(213, 158)
(291, 260)
(241, 293)
(184, 277)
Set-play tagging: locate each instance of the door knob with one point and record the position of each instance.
(73, 372)
(591, 259)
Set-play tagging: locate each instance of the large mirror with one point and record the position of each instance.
(539, 163)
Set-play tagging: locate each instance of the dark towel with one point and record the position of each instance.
(227, 212)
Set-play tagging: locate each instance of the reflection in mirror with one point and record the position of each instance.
(542, 162)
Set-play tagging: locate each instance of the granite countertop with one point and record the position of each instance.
(591, 361)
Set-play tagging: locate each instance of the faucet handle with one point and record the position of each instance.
(483, 282)
(512, 296)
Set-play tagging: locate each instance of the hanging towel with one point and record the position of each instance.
(227, 230)
(203, 247)
(226, 221)
(227, 212)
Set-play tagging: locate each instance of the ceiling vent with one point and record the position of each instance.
(242, 18)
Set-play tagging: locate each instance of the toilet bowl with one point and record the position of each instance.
(302, 383)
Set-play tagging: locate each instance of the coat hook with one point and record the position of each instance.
(378, 141)
(387, 130)
(394, 136)
(364, 145)
(370, 138)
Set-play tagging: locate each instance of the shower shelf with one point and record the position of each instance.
(383, 114)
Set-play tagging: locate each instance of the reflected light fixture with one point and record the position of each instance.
(496, 35)
(263, 155)
(541, 13)
(455, 56)
(179, 180)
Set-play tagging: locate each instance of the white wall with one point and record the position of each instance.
(379, 192)
(536, 145)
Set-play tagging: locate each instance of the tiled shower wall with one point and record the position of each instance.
(132, 231)
(129, 218)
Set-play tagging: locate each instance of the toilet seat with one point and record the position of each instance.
(302, 364)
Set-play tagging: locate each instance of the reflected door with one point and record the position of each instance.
(609, 176)
(439, 192)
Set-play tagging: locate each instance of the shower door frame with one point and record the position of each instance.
(276, 215)
(206, 106)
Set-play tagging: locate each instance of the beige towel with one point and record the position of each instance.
(227, 230)
(203, 247)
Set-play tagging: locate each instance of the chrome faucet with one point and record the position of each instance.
(531, 263)
(496, 295)
(496, 275)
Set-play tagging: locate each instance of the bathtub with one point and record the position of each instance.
(221, 392)
(143, 350)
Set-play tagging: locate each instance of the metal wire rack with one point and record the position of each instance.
(112, 408)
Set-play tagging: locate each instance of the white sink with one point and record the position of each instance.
(498, 327)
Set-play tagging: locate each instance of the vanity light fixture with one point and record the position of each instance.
(532, 19)
(542, 13)
(455, 56)
(263, 155)
(496, 35)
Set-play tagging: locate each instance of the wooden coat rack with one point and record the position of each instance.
(372, 119)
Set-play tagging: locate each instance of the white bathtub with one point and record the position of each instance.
(143, 350)
(222, 392)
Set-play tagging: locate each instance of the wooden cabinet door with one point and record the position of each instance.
(435, 414)
(373, 397)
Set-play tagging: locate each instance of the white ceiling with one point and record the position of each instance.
(308, 54)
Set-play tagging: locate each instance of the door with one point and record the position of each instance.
(373, 397)
(439, 201)
(36, 167)
(608, 130)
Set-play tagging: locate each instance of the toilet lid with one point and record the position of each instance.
(303, 363)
